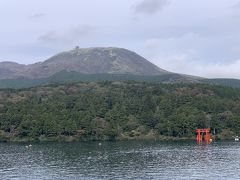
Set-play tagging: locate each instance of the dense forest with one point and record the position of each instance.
(118, 111)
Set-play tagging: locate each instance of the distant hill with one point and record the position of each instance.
(223, 82)
(72, 77)
(85, 61)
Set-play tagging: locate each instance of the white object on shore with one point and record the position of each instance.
(29, 146)
(236, 138)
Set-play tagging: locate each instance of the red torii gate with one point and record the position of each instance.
(200, 133)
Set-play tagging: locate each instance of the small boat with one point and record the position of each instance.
(236, 138)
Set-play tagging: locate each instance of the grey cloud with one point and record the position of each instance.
(237, 5)
(150, 6)
(37, 16)
(69, 36)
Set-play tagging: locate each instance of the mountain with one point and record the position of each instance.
(95, 65)
(85, 61)
(11, 70)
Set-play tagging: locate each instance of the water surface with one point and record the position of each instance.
(120, 160)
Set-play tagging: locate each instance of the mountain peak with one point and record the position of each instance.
(94, 60)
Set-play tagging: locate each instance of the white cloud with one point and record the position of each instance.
(188, 55)
(182, 64)
(220, 69)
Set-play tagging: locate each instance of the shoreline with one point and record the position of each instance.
(77, 139)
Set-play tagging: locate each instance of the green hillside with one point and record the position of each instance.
(68, 77)
(118, 110)
(72, 77)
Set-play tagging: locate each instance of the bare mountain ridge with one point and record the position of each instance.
(84, 60)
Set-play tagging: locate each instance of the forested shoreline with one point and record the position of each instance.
(118, 111)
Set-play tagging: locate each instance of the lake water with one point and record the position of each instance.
(120, 160)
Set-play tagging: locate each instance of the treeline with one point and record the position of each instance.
(118, 110)
(76, 77)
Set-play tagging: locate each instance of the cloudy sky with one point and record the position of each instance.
(198, 37)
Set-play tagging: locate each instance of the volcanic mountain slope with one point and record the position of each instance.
(11, 70)
(86, 61)
(94, 64)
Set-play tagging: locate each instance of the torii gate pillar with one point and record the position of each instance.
(201, 132)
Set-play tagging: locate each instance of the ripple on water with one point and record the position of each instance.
(120, 160)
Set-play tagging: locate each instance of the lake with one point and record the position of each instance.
(120, 160)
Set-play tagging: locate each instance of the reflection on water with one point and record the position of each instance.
(120, 160)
